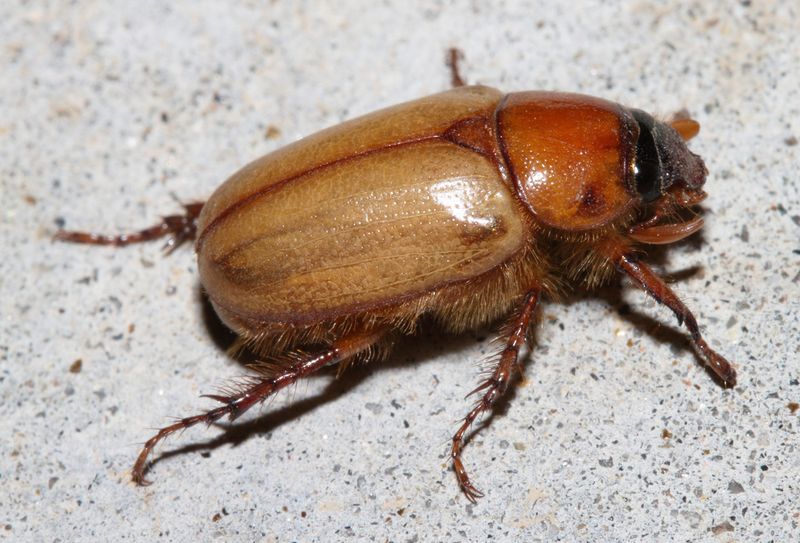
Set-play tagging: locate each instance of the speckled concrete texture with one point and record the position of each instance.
(111, 112)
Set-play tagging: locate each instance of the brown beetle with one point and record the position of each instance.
(468, 206)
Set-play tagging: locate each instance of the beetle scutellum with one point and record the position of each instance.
(468, 206)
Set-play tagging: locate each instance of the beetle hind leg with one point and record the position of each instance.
(259, 388)
(180, 228)
(494, 387)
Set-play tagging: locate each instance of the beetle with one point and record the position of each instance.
(468, 206)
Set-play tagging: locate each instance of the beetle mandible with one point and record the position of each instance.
(468, 206)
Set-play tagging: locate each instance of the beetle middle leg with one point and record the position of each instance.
(260, 388)
(180, 228)
(494, 386)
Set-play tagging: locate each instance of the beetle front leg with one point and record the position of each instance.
(494, 386)
(651, 283)
(260, 388)
(181, 228)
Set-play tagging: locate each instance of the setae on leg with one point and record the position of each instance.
(494, 386)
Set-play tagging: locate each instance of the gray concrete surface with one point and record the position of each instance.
(112, 111)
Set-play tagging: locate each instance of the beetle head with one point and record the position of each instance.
(663, 163)
(668, 176)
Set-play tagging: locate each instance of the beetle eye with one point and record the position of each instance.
(647, 165)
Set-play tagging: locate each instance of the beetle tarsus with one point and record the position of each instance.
(494, 386)
(259, 390)
(180, 228)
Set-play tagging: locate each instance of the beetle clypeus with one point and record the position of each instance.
(468, 206)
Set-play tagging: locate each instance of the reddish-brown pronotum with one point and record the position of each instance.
(469, 206)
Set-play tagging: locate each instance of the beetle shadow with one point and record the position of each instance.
(223, 337)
